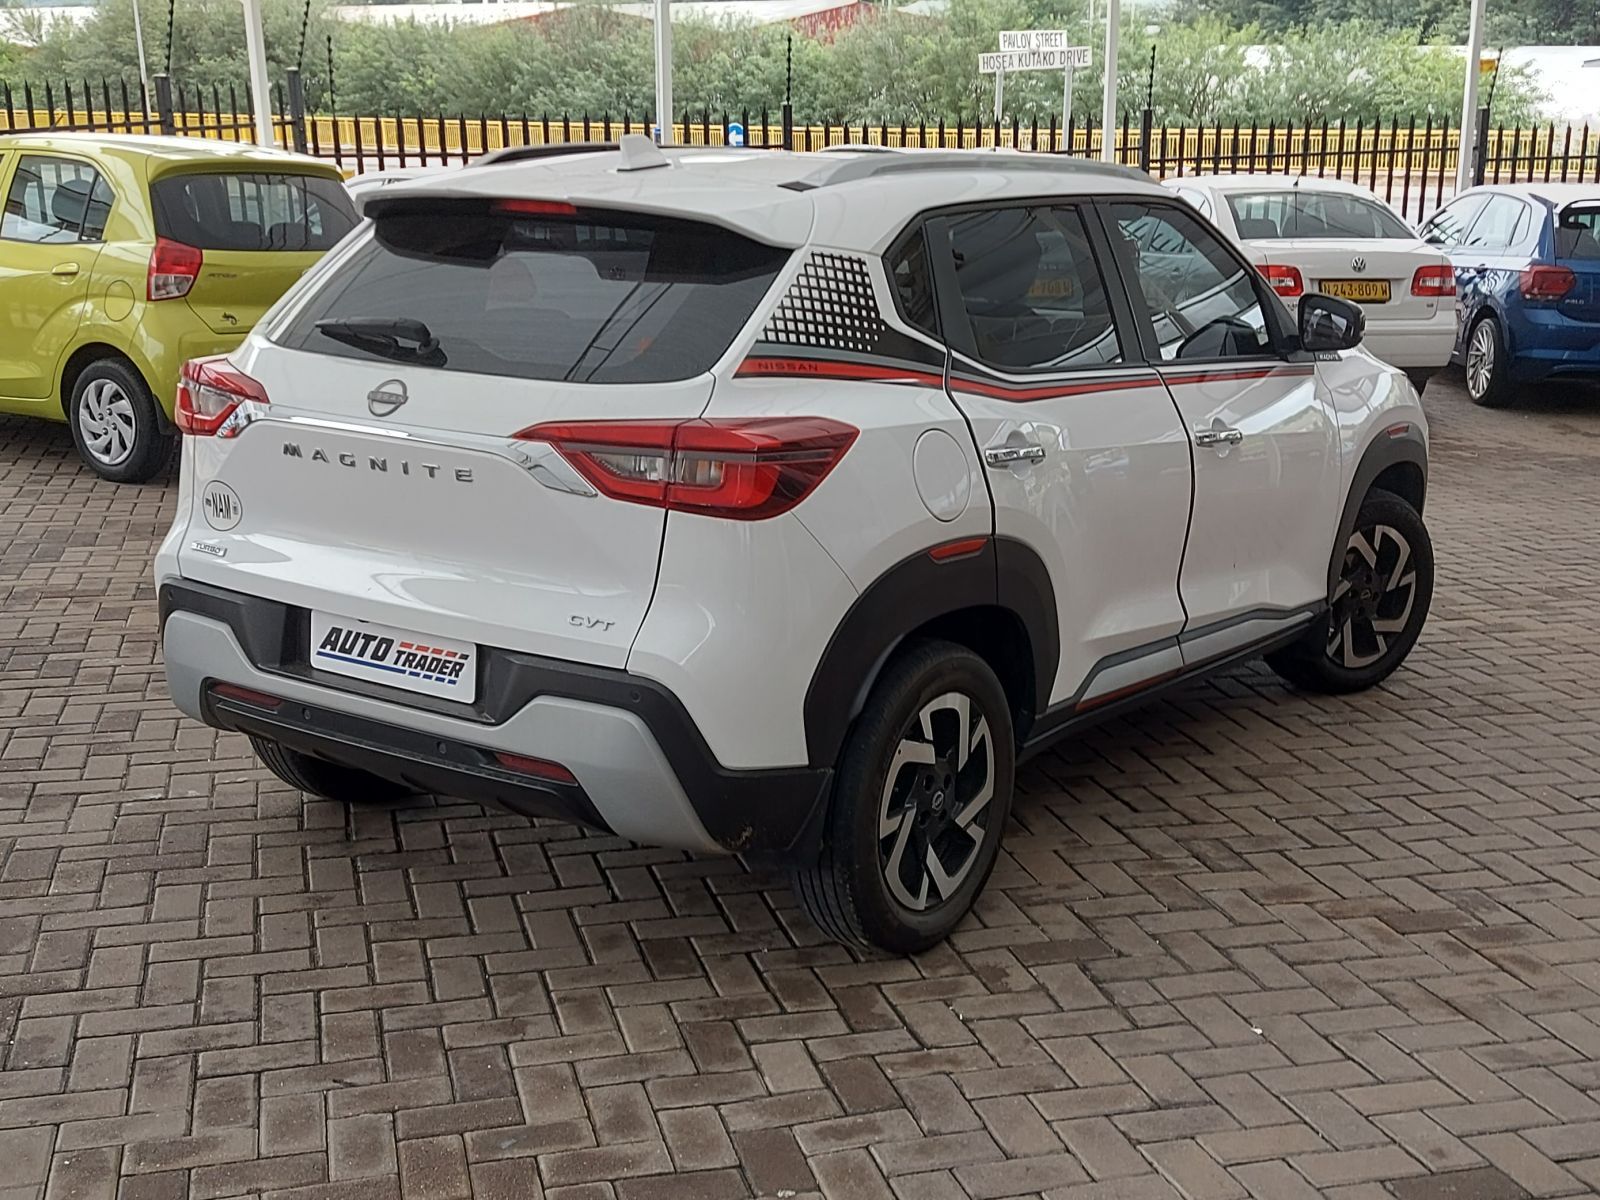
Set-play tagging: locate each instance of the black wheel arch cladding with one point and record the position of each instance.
(915, 593)
(1405, 450)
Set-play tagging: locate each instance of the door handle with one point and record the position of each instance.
(64, 270)
(1218, 437)
(1005, 456)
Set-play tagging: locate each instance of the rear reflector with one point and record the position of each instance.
(210, 391)
(742, 468)
(539, 768)
(1541, 282)
(232, 691)
(1434, 281)
(958, 549)
(1283, 279)
(173, 269)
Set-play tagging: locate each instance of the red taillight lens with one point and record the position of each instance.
(173, 269)
(1284, 279)
(1547, 283)
(1434, 281)
(210, 391)
(539, 768)
(742, 468)
(517, 207)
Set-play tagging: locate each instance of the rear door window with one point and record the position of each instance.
(590, 298)
(1033, 292)
(55, 200)
(257, 211)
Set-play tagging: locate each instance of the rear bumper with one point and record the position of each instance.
(1545, 341)
(1425, 344)
(644, 771)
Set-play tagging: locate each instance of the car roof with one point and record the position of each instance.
(780, 197)
(1240, 182)
(165, 153)
(1557, 194)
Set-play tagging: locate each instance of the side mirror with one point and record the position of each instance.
(1329, 323)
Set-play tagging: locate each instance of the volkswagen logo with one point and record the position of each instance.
(1358, 264)
(385, 399)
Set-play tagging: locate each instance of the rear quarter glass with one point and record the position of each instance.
(594, 297)
(253, 211)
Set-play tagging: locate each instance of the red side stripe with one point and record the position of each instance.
(874, 373)
(1226, 376)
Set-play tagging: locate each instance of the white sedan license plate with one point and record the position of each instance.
(434, 666)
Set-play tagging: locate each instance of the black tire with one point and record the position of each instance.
(1489, 384)
(326, 780)
(1378, 607)
(1419, 377)
(116, 426)
(847, 891)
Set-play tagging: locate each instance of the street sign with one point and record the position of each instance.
(1011, 61)
(735, 134)
(1035, 39)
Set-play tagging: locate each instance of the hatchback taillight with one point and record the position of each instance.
(210, 391)
(1434, 281)
(1284, 279)
(1543, 282)
(173, 269)
(744, 468)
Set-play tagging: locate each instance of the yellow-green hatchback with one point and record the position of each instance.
(122, 256)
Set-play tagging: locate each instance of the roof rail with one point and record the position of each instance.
(851, 167)
(530, 153)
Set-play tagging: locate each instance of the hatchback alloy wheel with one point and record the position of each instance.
(934, 813)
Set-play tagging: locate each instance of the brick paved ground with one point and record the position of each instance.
(1251, 943)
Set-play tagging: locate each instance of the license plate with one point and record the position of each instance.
(1362, 291)
(398, 658)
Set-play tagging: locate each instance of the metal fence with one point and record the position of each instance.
(1411, 163)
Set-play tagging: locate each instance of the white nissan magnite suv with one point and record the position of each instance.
(775, 504)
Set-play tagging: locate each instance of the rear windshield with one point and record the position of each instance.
(602, 298)
(1302, 214)
(1578, 232)
(268, 211)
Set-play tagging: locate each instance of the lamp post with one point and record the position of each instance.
(663, 40)
(255, 48)
(1469, 97)
(1108, 108)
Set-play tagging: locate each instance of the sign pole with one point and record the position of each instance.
(999, 93)
(664, 72)
(1469, 98)
(1066, 109)
(255, 49)
(138, 41)
(1108, 110)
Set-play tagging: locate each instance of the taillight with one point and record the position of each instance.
(1541, 282)
(210, 391)
(173, 269)
(744, 468)
(1434, 281)
(1284, 279)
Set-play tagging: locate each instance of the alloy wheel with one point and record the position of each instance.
(1480, 360)
(934, 813)
(107, 422)
(1373, 599)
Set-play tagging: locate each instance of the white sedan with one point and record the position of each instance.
(1321, 235)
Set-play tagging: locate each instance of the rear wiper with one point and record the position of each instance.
(388, 338)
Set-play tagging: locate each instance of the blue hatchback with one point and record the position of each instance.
(1527, 262)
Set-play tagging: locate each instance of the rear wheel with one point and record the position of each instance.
(327, 780)
(1377, 607)
(115, 424)
(920, 805)
(1488, 374)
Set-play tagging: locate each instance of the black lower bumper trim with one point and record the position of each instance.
(419, 761)
(770, 816)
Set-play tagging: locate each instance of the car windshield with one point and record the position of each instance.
(596, 298)
(1268, 216)
(255, 211)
